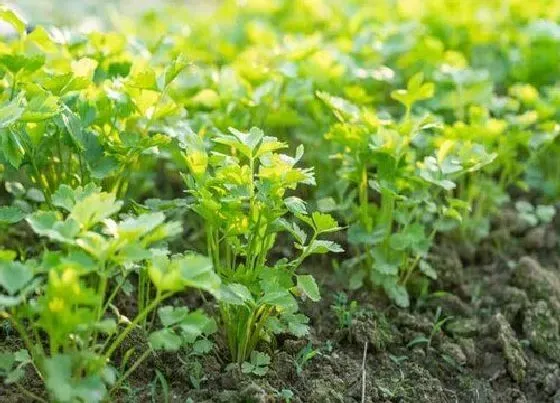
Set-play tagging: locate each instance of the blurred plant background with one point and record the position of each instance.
(93, 14)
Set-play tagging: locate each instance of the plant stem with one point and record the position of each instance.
(60, 164)
(20, 329)
(129, 371)
(364, 198)
(297, 263)
(140, 317)
(42, 183)
(113, 295)
(30, 394)
(14, 85)
(26, 341)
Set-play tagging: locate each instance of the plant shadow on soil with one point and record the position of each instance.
(500, 341)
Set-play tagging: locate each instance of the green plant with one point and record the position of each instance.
(305, 355)
(159, 379)
(286, 394)
(345, 312)
(242, 196)
(196, 373)
(535, 215)
(76, 113)
(403, 193)
(543, 172)
(64, 305)
(257, 364)
(437, 326)
(421, 120)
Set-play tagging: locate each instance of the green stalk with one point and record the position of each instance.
(216, 247)
(245, 335)
(140, 317)
(30, 394)
(364, 199)
(82, 171)
(129, 371)
(255, 235)
(20, 329)
(101, 290)
(42, 183)
(387, 210)
(254, 339)
(60, 161)
(262, 256)
(141, 290)
(14, 85)
(210, 250)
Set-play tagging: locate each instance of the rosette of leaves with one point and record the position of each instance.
(65, 304)
(241, 189)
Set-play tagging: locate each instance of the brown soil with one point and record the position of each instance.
(500, 343)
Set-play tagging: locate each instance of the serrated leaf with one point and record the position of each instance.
(94, 209)
(10, 112)
(133, 228)
(326, 205)
(196, 324)
(357, 234)
(280, 298)
(322, 246)
(324, 223)
(184, 271)
(203, 346)
(299, 235)
(297, 324)
(307, 285)
(41, 107)
(73, 125)
(295, 205)
(144, 79)
(197, 272)
(170, 315)
(12, 146)
(235, 294)
(47, 223)
(175, 68)
(66, 197)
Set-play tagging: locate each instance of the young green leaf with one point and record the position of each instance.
(14, 276)
(307, 285)
(324, 223)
